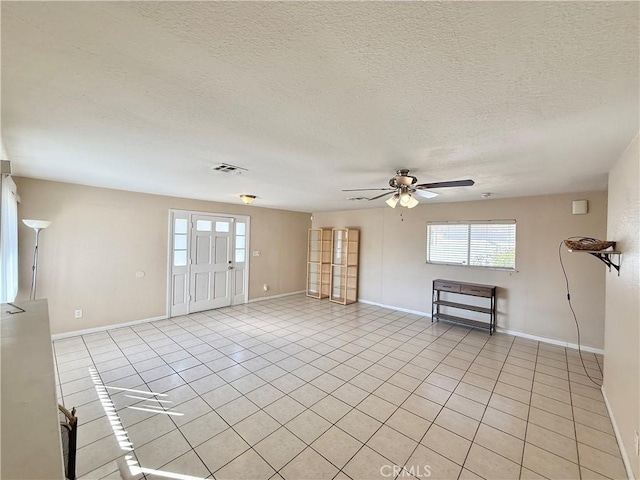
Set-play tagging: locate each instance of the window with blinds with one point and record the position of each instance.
(487, 243)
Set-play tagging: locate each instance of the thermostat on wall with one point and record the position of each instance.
(580, 207)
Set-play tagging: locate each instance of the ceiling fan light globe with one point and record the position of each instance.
(412, 203)
(405, 198)
(393, 201)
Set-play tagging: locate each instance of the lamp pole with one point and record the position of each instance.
(37, 225)
(34, 268)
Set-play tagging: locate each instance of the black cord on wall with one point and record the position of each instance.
(575, 318)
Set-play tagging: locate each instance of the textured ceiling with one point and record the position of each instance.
(525, 98)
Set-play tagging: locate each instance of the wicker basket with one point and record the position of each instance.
(588, 244)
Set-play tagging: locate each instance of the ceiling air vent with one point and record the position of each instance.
(227, 168)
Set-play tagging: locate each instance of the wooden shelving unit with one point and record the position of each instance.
(449, 287)
(345, 245)
(319, 263)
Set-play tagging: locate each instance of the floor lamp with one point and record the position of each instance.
(37, 225)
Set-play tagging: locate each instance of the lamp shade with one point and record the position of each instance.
(37, 224)
(412, 202)
(393, 201)
(247, 199)
(405, 198)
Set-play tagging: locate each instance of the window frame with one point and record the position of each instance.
(468, 223)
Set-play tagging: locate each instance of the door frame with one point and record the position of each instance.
(245, 218)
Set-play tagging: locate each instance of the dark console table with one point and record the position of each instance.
(464, 289)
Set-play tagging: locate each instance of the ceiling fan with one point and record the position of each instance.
(403, 185)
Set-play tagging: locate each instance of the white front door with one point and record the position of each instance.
(211, 264)
(208, 262)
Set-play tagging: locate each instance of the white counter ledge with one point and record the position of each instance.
(30, 434)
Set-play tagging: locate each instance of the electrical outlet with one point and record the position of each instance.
(636, 442)
(79, 313)
(265, 287)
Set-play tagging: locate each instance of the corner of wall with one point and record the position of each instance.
(621, 387)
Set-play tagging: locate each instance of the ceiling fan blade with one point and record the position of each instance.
(366, 189)
(380, 196)
(454, 183)
(425, 193)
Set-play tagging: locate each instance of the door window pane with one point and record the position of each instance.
(203, 225)
(240, 242)
(181, 225)
(240, 256)
(180, 258)
(222, 227)
(240, 228)
(180, 242)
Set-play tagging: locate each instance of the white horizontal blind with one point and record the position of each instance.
(490, 244)
(448, 244)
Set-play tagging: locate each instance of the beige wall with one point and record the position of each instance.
(100, 238)
(532, 300)
(622, 324)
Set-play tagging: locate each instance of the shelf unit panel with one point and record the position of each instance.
(463, 306)
(344, 265)
(319, 263)
(465, 321)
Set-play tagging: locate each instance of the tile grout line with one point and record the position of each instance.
(573, 418)
(251, 447)
(308, 445)
(352, 407)
(484, 413)
(171, 419)
(132, 452)
(341, 469)
(382, 326)
(526, 427)
(344, 382)
(441, 406)
(422, 331)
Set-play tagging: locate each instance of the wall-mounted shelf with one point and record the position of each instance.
(605, 256)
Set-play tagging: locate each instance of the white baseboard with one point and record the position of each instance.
(271, 297)
(407, 310)
(515, 333)
(616, 431)
(59, 336)
(552, 341)
(87, 331)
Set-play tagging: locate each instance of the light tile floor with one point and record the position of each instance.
(297, 388)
